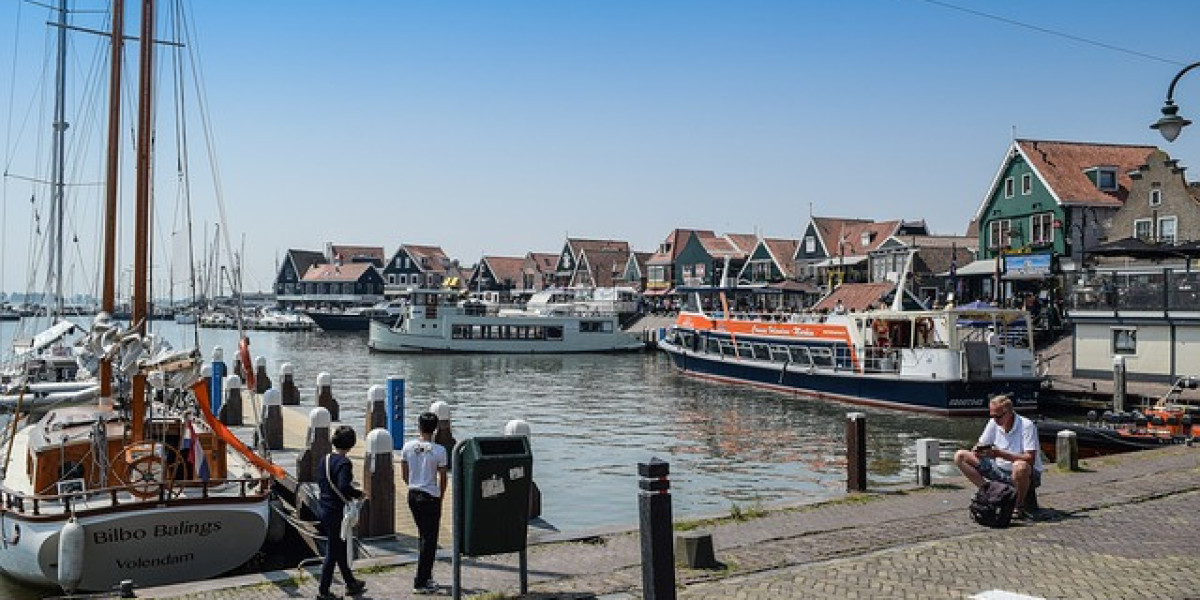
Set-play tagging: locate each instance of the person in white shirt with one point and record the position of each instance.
(1007, 451)
(423, 467)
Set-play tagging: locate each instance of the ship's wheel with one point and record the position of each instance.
(143, 470)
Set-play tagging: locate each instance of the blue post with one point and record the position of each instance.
(395, 411)
(216, 385)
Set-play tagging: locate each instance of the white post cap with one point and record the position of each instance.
(1118, 361)
(441, 409)
(287, 369)
(324, 379)
(273, 398)
(376, 393)
(218, 354)
(379, 441)
(517, 427)
(318, 418)
(206, 370)
(233, 382)
(260, 361)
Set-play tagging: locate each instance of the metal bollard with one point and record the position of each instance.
(376, 408)
(1118, 384)
(928, 452)
(291, 393)
(317, 445)
(231, 410)
(262, 382)
(856, 452)
(272, 421)
(379, 485)
(517, 427)
(1066, 448)
(216, 385)
(444, 436)
(325, 397)
(655, 525)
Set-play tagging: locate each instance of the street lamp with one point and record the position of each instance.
(1171, 123)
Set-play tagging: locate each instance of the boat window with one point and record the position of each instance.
(822, 357)
(780, 353)
(744, 350)
(595, 326)
(727, 348)
(800, 355)
(762, 352)
(554, 332)
(712, 346)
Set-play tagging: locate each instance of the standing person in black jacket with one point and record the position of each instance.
(336, 482)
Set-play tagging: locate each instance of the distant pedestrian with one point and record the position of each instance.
(336, 482)
(423, 466)
(839, 308)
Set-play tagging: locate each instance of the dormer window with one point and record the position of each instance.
(1155, 197)
(1107, 180)
(865, 239)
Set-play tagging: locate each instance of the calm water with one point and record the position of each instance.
(594, 417)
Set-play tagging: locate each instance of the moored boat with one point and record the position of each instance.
(939, 361)
(436, 321)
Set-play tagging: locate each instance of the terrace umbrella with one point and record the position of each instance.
(1135, 248)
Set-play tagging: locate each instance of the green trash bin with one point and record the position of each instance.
(494, 482)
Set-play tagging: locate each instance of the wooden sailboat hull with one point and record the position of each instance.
(152, 545)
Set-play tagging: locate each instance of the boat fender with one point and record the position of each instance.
(70, 555)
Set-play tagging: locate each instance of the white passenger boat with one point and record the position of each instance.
(436, 321)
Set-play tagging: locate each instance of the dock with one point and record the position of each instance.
(1067, 391)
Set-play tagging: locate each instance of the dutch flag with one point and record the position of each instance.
(194, 452)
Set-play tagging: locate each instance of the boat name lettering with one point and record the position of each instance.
(776, 330)
(966, 402)
(121, 534)
(165, 560)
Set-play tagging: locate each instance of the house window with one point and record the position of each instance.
(1026, 184)
(1107, 180)
(1155, 197)
(392, 279)
(1124, 340)
(998, 234)
(1008, 187)
(1142, 229)
(1041, 229)
(810, 244)
(1166, 229)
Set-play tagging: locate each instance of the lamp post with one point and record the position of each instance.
(1171, 123)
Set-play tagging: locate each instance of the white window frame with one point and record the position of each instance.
(1026, 184)
(1149, 224)
(1161, 237)
(1155, 197)
(999, 229)
(810, 244)
(1123, 341)
(1008, 187)
(1041, 228)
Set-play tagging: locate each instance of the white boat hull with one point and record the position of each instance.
(383, 338)
(151, 546)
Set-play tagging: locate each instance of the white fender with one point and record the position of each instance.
(70, 555)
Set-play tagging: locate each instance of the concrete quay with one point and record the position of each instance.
(1123, 526)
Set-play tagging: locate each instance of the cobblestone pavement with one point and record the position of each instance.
(1124, 527)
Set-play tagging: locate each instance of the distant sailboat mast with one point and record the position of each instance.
(58, 165)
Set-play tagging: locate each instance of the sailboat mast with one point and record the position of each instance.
(108, 293)
(141, 224)
(58, 167)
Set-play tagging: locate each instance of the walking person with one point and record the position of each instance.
(423, 467)
(336, 481)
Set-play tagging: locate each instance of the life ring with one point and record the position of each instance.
(247, 364)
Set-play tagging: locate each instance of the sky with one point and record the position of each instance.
(498, 128)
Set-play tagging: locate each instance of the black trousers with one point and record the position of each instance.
(427, 513)
(335, 549)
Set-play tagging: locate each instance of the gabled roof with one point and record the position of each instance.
(1062, 167)
(303, 259)
(782, 251)
(640, 259)
(603, 265)
(438, 261)
(357, 253)
(744, 242)
(333, 273)
(579, 245)
(856, 296)
(851, 231)
(543, 262)
(938, 241)
(504, 267)
(720, 247)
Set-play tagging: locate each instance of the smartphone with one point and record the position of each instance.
(982, 447)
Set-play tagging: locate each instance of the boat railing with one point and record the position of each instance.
(167, 491)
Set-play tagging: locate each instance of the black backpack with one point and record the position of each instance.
(993, 504)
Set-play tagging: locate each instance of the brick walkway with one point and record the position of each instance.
(1124, 527)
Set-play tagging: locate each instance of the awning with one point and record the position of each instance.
(986, 266)
(848, 261)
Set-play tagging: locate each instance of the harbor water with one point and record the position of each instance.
(595, 416)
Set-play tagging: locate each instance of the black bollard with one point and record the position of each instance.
(262, 382)
(231, 409)
(272, 419)
(291, 393)
(325, 397)
(856, 452)
(317, 446)
(654, 511)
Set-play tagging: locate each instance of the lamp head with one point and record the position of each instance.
(1171, 123)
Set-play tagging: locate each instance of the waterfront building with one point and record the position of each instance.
(341, 285)
(599, 268)
(704, 257)
(661, 273)
(291, 290)
(567, 269)
(415, 266)
(1162, 207)
(537, 272)
(933, 259)
(1048, 202)
(496, 278)
(287, 280)
(634, 273)
(836, 250)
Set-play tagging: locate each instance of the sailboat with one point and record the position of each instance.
(146, 484)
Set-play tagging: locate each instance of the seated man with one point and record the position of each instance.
(1007, 451)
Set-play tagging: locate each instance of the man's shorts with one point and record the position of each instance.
(992, 471)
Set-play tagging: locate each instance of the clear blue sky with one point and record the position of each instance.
(502, 127)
